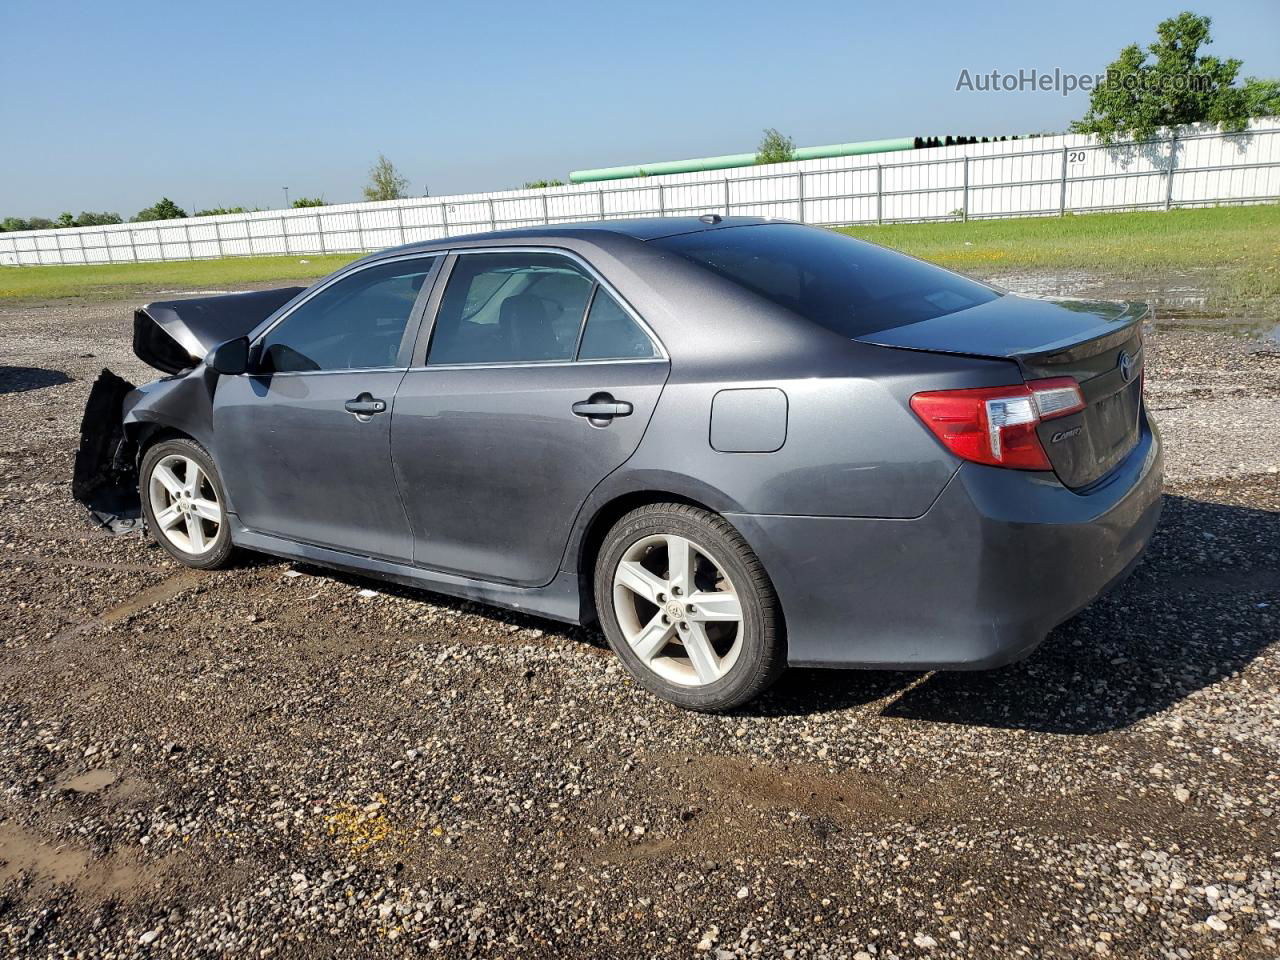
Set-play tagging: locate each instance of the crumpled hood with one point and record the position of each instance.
(175, 335)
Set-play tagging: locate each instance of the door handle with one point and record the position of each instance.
(601, 407)
(365, 406)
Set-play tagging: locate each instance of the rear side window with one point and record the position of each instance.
(846, 285)
(611, 333)
(510, 308)
(355, 323)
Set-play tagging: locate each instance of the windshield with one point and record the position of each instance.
(845, 285)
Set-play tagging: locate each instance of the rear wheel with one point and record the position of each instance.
(688, 607)
(184, 504)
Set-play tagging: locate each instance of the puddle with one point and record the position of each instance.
(92, 781)
(1179, 301)
(23, 853)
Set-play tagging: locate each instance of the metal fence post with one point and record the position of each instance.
(444, 218)
(546, 211)
(1062, 190)
(726, 196)
(400, 223)
(186, 233)
(964, 199)
(662, 202)
(133, 246)
(879, 193)
(320, 232)
(1173, 162)
(600, 197)
(217, 236)
(359, 232)
(800, 192)
(493, 217)
(57, 242)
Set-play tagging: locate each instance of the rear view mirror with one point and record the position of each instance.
(230, 358)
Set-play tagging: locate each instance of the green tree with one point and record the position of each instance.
(309, 202)
(88, 219)
(14, 224)
(541, 184)
(385, 182)
(65, 219)
(1171, 84)
(218, 211)
(165, 209)
(39, 223)
(775, 148)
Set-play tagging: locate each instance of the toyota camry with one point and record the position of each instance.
(736, 444)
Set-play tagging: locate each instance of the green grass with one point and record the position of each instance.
(1231, 252)
(122, 280)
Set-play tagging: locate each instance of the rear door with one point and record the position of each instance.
(537, 383)
(303, 440)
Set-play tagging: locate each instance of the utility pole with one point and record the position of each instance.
(286, 197)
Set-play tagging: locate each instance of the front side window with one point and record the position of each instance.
(354, 324)
(510, 308)
(611, 334)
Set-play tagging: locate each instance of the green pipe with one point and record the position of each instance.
(737, 160)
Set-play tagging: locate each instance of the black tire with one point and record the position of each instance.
(219, 553)
(762, 657)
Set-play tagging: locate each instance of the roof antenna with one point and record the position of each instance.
(711, 218)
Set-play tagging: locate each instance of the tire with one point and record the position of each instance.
(698, 657)
(181, 518)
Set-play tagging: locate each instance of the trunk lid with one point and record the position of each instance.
(1097, 342)
(175, 335)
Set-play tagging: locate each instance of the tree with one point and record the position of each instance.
(385, 182)
(65, 219)
(775, 148)
(88, 219)
(542, 184)
(14, 224)
(1171, 84)
(39, 223)
(218, 211)
(165, 209)
(309, 202)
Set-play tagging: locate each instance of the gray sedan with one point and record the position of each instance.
(737, 444)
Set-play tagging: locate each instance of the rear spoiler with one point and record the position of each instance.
(175, 335)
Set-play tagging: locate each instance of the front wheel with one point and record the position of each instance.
(184, 504)
(688, 607)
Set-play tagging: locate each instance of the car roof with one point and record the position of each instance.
(636, 228)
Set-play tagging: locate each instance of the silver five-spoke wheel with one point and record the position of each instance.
(678, 610)
(185, 504)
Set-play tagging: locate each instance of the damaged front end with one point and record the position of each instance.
(120, 419)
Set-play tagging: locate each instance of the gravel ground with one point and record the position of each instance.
(264, 762)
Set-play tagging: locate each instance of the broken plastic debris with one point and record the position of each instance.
(367, 594)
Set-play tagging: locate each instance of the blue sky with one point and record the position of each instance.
(108, 106)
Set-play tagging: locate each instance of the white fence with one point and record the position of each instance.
(1037, 176)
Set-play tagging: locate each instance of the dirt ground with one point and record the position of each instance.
(262, 762)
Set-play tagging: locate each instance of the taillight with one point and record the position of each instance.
(997, 425)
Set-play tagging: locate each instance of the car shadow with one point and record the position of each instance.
(1202, 605)
(22, 379)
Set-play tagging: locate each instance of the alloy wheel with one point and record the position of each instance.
(185, 504)
(678, 610)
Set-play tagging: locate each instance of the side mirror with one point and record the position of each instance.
(230, 358)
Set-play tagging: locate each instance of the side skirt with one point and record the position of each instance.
(558, 600)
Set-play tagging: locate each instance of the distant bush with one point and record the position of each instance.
(775, 148)
(218, 211)
(542, 184)
(309, 202)
(89, 219)
(164, 209)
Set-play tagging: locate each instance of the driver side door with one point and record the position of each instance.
(303, 439)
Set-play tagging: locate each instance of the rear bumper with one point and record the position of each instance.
(999, 560)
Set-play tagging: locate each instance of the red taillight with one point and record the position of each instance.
(997, 425)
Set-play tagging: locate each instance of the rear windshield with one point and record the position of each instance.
(845, 285)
